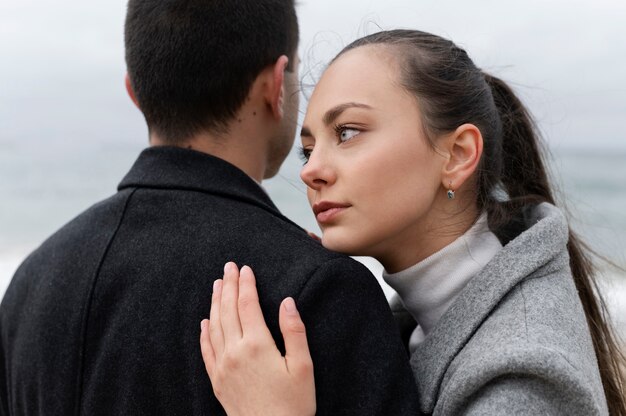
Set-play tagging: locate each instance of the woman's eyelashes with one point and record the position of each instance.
(304, 154)
(345, 133)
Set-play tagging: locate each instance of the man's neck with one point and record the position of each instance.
(238, 150)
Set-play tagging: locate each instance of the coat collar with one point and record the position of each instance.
(543, 241)
(166, 167)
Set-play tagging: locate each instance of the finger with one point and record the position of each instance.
(252, 321)
(230, 298)
(297, 355)
(314, 236)
(207, 349)
(215, 326)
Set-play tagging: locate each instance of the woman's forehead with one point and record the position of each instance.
(361, 73)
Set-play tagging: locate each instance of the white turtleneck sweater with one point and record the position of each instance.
(429, 288)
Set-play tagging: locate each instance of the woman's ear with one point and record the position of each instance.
(130, 91)
(465, 147)
(276, 92)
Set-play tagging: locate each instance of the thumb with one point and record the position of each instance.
(297, 355)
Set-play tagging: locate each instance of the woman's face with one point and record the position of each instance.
(373, 179)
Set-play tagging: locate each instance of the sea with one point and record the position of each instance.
(44, 185)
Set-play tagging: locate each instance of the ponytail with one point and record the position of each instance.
(525, 180)
(523, 169)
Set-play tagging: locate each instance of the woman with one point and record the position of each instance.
(416, 157)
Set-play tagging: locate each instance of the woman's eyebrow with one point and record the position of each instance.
(336, 111)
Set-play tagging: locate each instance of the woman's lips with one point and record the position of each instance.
(325, 211)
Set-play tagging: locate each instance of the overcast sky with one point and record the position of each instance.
(61, 76)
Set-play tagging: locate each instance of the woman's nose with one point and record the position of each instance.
(318, 172)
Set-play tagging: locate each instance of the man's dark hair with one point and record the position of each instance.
(191, 63)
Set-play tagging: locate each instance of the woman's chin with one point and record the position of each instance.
(341, 245)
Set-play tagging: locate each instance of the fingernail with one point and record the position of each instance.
(204, 324)
(229, 267)
(290, 306)
(217, 285)
(244, 274)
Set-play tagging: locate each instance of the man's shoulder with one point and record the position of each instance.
(259, 230)
(72, 241)
(97, 218)
(290, 257)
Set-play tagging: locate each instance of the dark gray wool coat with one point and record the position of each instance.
(515, 341)
(103, 318)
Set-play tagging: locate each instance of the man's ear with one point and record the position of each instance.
(129, 90)
(465, 147)
(276, 90)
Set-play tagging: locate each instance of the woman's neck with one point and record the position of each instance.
(439, 233)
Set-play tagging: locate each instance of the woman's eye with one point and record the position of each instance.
(304, 154)
(346, 133)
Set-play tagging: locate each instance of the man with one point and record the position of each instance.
(104, 317)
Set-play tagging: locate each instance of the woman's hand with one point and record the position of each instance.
(248, 373)
(314, 236)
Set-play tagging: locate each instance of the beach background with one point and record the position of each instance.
(68, 133)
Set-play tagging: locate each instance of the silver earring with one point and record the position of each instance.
(450, 192)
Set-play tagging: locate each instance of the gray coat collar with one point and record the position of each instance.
(545, 238)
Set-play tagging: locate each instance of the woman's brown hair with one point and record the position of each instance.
(452, 91)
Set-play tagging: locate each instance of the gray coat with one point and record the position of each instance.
(516, 340)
